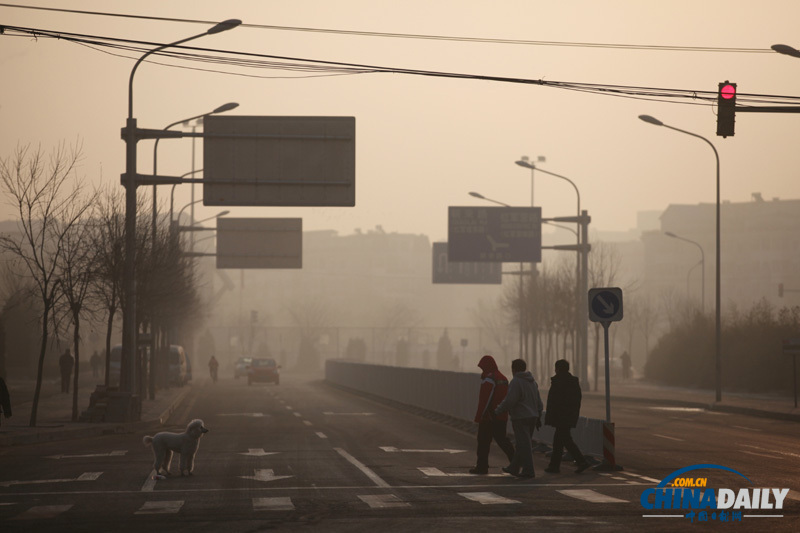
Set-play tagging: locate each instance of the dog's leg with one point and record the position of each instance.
(190, 462)
(167, 461)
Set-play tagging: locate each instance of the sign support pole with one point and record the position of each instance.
(608, 372)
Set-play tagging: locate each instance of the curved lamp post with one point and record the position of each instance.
(717, 326)
(702, 268)
(131, 135)
(786, 50)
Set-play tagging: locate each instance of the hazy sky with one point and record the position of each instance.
(423, 143)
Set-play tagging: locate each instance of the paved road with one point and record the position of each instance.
(304, 454)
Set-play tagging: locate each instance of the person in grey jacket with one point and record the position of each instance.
(524, 406)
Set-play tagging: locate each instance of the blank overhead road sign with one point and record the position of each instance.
(259, 242)
(495, 234)
(279, 161)
(605, 305)
(469, 272)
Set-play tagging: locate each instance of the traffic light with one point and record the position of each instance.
(780, 290)
(726, 109)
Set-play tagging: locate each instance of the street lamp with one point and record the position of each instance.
(785, 49)
(717, 326)
(702, 268)
(579, 308)
(521, 272)
(220, 214)
(131, 135)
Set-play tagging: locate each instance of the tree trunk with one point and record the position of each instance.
(40, 370)
(76, 340)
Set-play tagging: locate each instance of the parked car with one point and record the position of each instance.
(263, 370)
(177, 366)
(240, 368)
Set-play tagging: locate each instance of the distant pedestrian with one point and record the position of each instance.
(95, 361)
(494, 387)
(213, 366)
(625, 358)
(524, 404)
(65, 363)
(5, 400)
(563, 410)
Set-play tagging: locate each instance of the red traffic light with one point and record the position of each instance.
(728, 91)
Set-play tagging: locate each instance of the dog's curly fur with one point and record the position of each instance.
(186, 444)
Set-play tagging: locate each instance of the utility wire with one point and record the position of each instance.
(321, 67)
(616, 46)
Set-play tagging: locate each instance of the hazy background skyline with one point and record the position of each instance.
(423, 143)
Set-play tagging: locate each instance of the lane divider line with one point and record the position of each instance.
(364, 468)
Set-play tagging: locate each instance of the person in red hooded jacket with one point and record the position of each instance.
(494, 387)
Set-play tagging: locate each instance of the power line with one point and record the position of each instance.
(321, 67)
(416, 36)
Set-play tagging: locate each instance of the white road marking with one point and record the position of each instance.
(590, 496)
(264, 474)
(282, 503)
(763, 455)
(329, 413)
(651, 479)
(321, 435)
(150, 483)
(435, 472)
(289, 408)
(486, 498)
(43, 511)
(790, 454)
(679, 409)
(257, 452)
(747, 428)
(383, 501)
(115, 453)
(86, 476)
(160, 507)
(392, 449)
(668, 437)
(361, 466)
(306, 422)
(298, 415)
(619, 478)
(251, 415)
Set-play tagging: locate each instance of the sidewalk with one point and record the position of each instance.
(54, 414)
(764, 405)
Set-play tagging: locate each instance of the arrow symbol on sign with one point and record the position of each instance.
(115, 453)
(265, 474)
(257, 452)
(495, 244)
(392, 449)
(607, 308)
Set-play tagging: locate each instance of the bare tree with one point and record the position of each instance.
(499, 324)
(49, 202)
(76, 268)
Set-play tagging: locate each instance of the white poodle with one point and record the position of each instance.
(186, 444)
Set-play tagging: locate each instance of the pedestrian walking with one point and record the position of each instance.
(524, 405)
(65, 363)
(563, 409)
(494, 387)
(95, 361)
(213, 366)
(5, 400)
(625, 358)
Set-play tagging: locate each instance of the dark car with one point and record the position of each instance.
(263, 370)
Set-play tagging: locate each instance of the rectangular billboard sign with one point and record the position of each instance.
(279, 161)
(445, 271)
(259, 242)
(495, 234)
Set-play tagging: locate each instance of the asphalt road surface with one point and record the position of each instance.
(304, 455)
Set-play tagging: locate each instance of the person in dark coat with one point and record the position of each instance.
(5, 399)
(494, 387)
(65, 363)
(563, 410)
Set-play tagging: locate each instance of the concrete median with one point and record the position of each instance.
(452, 394)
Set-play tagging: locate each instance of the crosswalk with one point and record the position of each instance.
(377, 502)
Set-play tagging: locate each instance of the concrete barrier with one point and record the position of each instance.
(452, 394)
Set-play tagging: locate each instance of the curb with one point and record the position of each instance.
(722, 408)
(111, 428)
